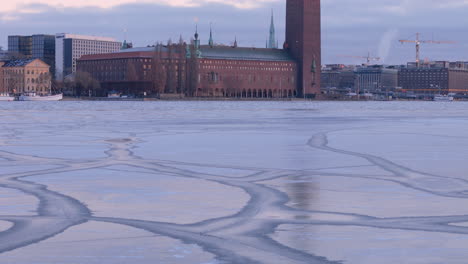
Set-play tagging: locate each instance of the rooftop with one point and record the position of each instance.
(146, 52)
(18, 63)
(82, 37)
(230, 53)
(207, 52)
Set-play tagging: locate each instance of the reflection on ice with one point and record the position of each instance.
(98, 243)
(364, 196)
(358, 245)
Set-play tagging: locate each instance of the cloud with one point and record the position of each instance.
(19, 5)
(349, 27)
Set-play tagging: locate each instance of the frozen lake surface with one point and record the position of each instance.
(233, 182)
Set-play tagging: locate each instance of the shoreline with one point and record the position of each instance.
(218, 99)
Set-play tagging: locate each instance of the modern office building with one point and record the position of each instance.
(3, 55)
(376, 79)
(338, 76)
(38, 46)
(43, 47)
(437, 78)
(69, 48)
(20, 45)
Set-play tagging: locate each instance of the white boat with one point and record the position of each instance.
(113, 95)
(6, 97)
(443, 98)
(35, 97)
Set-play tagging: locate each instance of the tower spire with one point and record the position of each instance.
(196, 43)
(211, 42)
(272, 43)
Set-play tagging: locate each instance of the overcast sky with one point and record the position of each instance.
(350, 27)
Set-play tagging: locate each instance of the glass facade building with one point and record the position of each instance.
(20, 45)
(36, 47)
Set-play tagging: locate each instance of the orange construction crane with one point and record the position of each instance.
(368, 58)
(418, 42)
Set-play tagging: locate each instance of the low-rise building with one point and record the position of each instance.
(338, 78)
(26, 76)
(2, 86)
(434, 80)
(376, 79)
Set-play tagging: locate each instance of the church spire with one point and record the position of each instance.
(196, 43)
(272, 43)
(211, 42)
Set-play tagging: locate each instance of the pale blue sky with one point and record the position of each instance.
(349, 27)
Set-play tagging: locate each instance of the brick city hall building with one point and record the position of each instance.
(220, 71)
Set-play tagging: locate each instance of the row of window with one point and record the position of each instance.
(209, 67)
(36, 80)
(22, 71)
(216, 77)
(253, 63)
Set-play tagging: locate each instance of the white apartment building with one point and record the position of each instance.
(69, 48)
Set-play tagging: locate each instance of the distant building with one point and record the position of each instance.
(128, 71)
(35, 47)
(339, 77)
(43, 47)
(213, 70)
(2, 85)
(20, 45)
(3, 55)
(245, 73)
(434, 80)
(26, 76)
(217, 71)
(376, 79)
(69, 48)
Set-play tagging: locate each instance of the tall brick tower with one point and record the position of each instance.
(303, 40)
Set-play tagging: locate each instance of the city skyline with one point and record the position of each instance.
(357, 31)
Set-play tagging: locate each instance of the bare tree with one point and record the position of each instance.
(170, 69)
(84, 83)
(158, 71)
(181, 67)
(14, 80)
(45, 81)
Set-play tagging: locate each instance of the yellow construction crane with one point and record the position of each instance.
(418, 42)
(368, 58)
